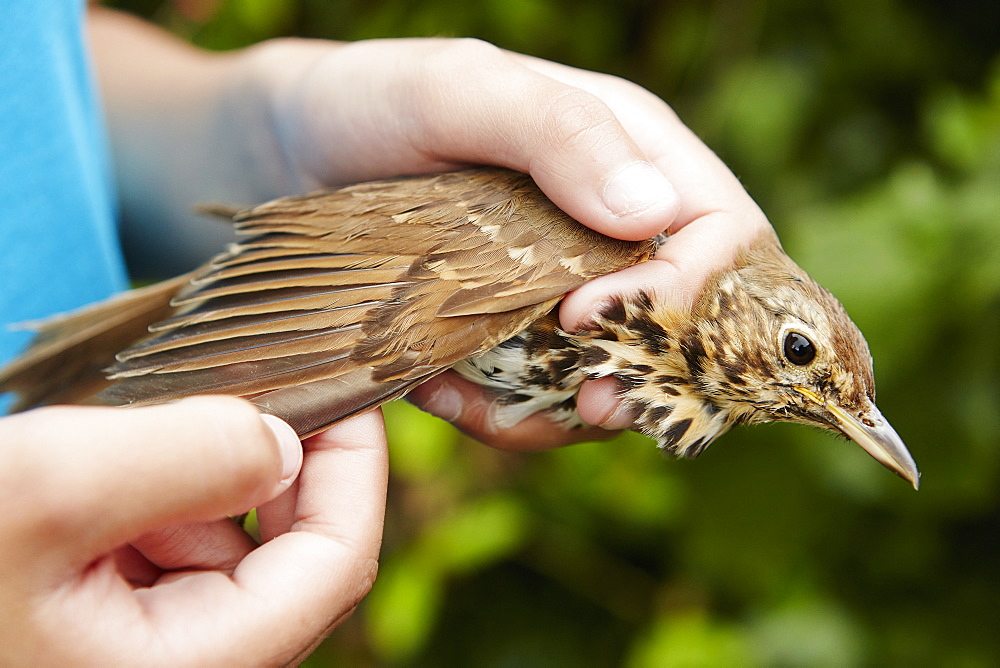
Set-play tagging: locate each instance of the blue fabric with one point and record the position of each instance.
(58, 243)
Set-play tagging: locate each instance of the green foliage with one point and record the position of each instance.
(690, 639)
(870, 133)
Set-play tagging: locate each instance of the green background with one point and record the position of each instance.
(870, 134)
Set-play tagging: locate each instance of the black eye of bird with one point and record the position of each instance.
(798, 349)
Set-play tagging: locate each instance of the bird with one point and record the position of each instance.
(334, 302)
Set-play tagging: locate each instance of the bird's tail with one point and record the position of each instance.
(66, 359)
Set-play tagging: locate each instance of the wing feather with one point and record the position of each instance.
(336, 301)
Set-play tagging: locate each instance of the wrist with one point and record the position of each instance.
(267, 80)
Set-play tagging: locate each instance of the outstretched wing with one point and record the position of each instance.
(343, 299)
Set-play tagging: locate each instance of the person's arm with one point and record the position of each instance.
(291, 115)
(117, 546)
(175, 137)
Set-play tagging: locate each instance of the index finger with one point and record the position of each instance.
(717, 217)
(703, 182)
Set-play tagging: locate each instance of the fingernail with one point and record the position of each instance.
(288, 444)
(445, 402)
(638, 187)
(620, 418)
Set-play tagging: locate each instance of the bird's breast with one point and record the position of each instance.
(535, 371)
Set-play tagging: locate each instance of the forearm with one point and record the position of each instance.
(186, 127)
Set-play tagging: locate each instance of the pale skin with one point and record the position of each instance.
(289, 116)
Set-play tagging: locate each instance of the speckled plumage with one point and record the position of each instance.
(689, 375)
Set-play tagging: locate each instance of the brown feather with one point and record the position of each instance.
(66, 359)
(337, 301)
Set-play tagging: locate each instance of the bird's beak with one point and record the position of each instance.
(873, 433)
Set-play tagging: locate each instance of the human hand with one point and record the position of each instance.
(118, 549)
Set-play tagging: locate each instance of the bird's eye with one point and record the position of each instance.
(798, 349)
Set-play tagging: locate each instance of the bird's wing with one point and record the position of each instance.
(366, 291)
(66, 359)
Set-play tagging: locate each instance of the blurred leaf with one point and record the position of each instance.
(262, 16)
(759, 109)
(964, 130)
(691, 639)
(517, 20)
(807, 630)
(479, 533)
(402, 607)
(420, 444)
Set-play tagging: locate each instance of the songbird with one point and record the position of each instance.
(337, 301)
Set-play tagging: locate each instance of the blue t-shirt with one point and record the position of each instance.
(58, 242)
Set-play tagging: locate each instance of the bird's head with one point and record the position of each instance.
(764, 343)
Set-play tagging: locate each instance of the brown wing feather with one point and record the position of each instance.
(65, 361)
(337, 301)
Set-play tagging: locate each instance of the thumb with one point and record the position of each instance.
(141, 469)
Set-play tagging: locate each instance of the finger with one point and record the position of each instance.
(213, 546)
(319, 492)
(470, 408)
(676, 275)
(141, 469)
(206, 546)
(598, 403)
(470, 102)
(134, 568)
(703, 182)
(278, 515)
(303, 581)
